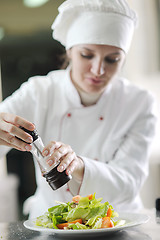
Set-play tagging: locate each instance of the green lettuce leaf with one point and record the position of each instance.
(77, 226)
(44, 221)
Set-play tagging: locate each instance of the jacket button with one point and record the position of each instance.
(69, 115)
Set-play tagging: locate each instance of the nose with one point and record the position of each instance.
(98, 68)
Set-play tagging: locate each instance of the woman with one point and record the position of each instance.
(96, 123)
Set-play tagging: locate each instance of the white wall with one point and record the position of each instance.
(142, 68)
(143, 57)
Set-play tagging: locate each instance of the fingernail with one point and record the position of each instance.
(30, 139)
(31, 127)
(28, 148)
(45, 153)
(61, 168)
(50, 162)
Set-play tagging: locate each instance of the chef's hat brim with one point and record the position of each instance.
(95, 22)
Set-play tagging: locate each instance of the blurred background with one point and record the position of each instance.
(27, 49)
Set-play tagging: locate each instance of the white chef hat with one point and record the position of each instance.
(105, 22)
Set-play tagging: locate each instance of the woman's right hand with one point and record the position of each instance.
(9, 131)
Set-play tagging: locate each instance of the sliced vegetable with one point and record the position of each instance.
(109, 212)
(76, 198)
(107, 223)
(64, 225)
(90, 196)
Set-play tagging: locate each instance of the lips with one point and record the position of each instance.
(94, 80)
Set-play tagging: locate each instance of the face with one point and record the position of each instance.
(93, 66)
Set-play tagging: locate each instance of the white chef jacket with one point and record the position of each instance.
(113, 137)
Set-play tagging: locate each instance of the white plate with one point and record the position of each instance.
(132, 220)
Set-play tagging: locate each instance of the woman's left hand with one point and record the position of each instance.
(69, 162)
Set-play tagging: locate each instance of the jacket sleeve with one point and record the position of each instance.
(120, 180)
(28, 102)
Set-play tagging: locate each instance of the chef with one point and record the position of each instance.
(96, 123)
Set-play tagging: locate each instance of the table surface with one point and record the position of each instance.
(147, 231)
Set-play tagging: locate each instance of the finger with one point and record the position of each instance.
(72, 166)
(14, 131)
(18, 121)
(2, 142)
(76, 168)
(11, 128)
(54, 158)
(50, 148)
(62, 151)
(12, 141)
(58, 153)
(66, 161)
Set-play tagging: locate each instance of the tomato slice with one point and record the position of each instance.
(107, 223)
(90, 196)
(76, 198)
(63, 225)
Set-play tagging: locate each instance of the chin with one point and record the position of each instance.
(94, 91)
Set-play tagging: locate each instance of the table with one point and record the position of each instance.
(147, 231)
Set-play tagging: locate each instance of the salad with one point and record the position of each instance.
(81, 213)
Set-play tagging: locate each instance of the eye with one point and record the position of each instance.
(112, 60)
(87, 56)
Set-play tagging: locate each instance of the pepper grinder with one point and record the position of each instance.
(54, 178)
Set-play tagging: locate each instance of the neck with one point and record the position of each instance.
(88, 99)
